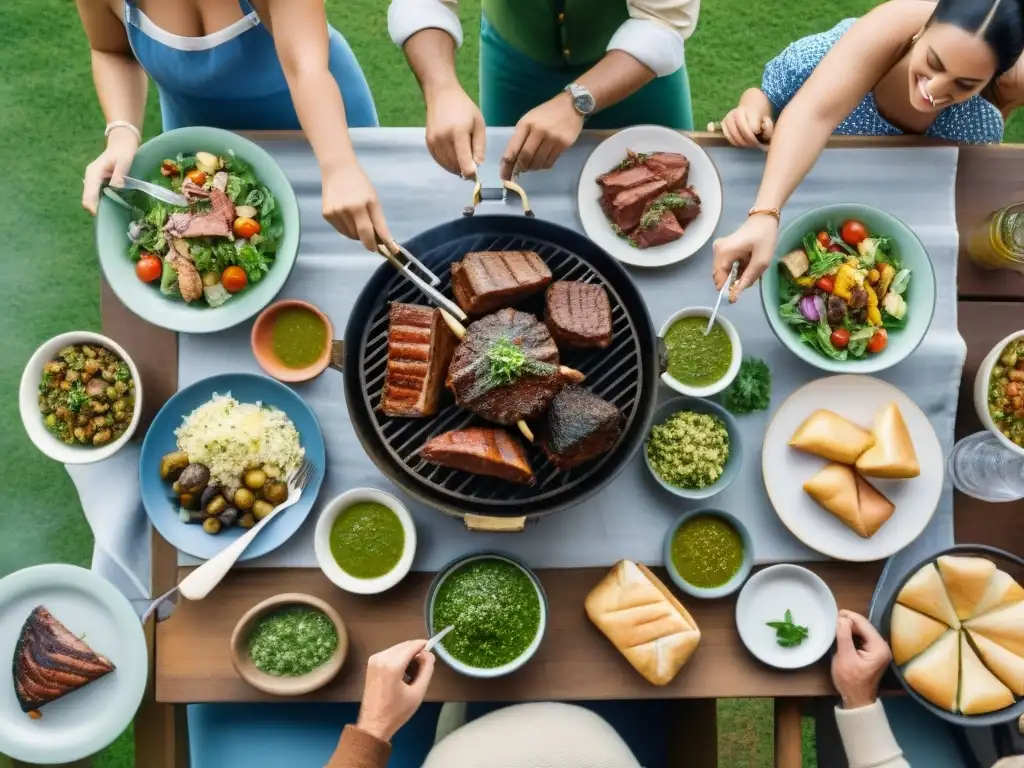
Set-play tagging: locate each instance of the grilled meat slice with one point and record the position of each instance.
(615, 181)
(580, 426)
(486, 280)
(687, 213)
(420, 346)
(482, 451)
(664, 230)
(214, 223)
(628, 206)
(50, 662)
(471, 375)
(671, 167)
(578, 314)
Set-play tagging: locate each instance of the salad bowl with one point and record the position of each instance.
(829, 334)
(141, 292)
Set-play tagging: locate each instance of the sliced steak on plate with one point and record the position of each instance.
(578, 314)
(420, 346)
(482, 451)
(487, 280)
(580, 426)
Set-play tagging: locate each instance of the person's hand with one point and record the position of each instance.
(749, 126)
(857, 672)
(541, 136)
(350, 204)
(456, 135)
(388, 701)
(113, 163)
(752, 245)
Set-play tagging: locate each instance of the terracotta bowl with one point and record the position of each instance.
(286, 686)
(263, 343)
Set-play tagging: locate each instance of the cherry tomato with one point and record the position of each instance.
(878, 341)
(826, 283)
(169, 168)
(246, 227)
(824, 240)
(149, 268)
(835, 248)
(196, 176)
(233, 279)
(840, 338)
(853, 232)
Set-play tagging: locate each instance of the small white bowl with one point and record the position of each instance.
(28, 400)
(734, 366)
(322, 542)
(981, 392)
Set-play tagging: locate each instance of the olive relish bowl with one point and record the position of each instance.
(983, 389)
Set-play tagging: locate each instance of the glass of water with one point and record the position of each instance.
(985, 469)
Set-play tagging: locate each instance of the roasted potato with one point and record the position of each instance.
(189, 500)
(211, 525)
(193, 478)
(173, 464)
(255, 479)
(208, 493)
(261, 509)
(216, 505)
(275, 493)
(228, 517)
(244, 498)
(247, 520)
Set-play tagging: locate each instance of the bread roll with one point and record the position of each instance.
(966, 580)
(935, 673)
(1008, 667)
(1002, 590)
(832, 437)
(852, 499)
(910, 633)
(893, 455)
(645, 621)
(925, 592)
(980, 690)
(1004, 626)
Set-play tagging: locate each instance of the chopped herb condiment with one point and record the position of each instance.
(292, 642)
(367, 540)
(689, 450)
(507, 363)
(632, 159)
(707, 552)
(693, 358)
(495, 609)
(667, 202)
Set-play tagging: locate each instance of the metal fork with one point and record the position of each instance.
(203, 579)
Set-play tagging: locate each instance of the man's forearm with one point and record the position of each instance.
(431, 55)
(358, 749)
(615, 77)
(321, 113)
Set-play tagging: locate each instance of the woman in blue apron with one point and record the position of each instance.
(268, 64)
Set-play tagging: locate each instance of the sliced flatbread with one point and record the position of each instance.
(851, 498)
(910, 633)
(935, 674)
(1003, 590)
(980, 690)
(1008, 667)
(926, 593)
(966, 580)
(893, 455)
(1005, 627)
(832, 437)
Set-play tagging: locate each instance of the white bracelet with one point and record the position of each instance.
(111, 126)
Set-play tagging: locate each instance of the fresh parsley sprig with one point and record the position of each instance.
(752, 388)
(788, 634)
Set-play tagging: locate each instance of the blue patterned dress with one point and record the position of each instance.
(975, 121)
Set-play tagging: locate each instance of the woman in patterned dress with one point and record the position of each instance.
(906, 67)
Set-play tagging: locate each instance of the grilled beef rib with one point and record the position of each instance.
(578, 314)
(580, 426)
(482, 451)
(420, 346)
(50, 662)
(486, 280)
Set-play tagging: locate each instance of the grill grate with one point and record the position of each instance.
(615, 373)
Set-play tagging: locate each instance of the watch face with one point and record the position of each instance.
(584, 102)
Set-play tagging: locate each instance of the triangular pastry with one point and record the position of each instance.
(851, 498)
(1004, 626)
(1007, 666)
(935, 674)
(893, 455)
(1002, 590)
(980, 690)
(926, 593)
(966, 580)
(832, 437)
(911, 632)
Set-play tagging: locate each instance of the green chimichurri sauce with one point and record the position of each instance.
(292, 642)
(707, 551)
(299, 337)
(693, 358)
(495, 609)
(367, 540)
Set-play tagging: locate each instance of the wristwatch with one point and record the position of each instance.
(582, 100)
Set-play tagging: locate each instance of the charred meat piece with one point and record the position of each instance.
(690, 209)
(505, 368)
(420, 346)
(671, 167)
(486, 280)
(482, 451)
(578, 315)
(615, 181)
(50, 662)
(664, 230)
(628, 206)
(580, 426)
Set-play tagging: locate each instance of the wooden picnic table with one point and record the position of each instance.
(575, 662)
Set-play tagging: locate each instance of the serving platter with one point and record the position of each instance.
(857, 398)
(704, 178)
(87, 720)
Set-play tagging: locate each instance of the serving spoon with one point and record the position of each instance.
(413, 668)
(725, 288)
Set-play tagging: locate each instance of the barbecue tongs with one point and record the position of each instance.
(429, 289)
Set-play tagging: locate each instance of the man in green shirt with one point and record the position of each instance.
(546, 67)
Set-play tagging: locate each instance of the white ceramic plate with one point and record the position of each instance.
(785, 470)
(767, 595)
(87, 720)
(703, 177)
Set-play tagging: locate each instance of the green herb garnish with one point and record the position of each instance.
(788, 634)
(667, 202)
(632, 159)
(77, 397)
(751, 390)
(507, 363)
(823, 262)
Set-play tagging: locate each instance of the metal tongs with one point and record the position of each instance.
(428, 288)
(163, 194)
(507, 185)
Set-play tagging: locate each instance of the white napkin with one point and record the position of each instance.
(112, 501)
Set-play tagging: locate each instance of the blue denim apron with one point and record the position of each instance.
(232, 78)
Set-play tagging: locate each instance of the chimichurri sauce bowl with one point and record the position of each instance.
(694, 364)
(708, 553)
(498, 608)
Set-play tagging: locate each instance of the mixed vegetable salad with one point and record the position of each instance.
(844, 291)
(222, 242)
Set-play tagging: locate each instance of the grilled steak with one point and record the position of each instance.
(50, 662)
(664, 230)
(578, 314)
(476, 374)
(580, 426)
(420, 346)
(670, 167)
(482, 451)
(615, 181)
(628, 206)
(691, 210)
(486, 280)
(214, 223)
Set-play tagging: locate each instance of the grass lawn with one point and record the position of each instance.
(51, 127)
